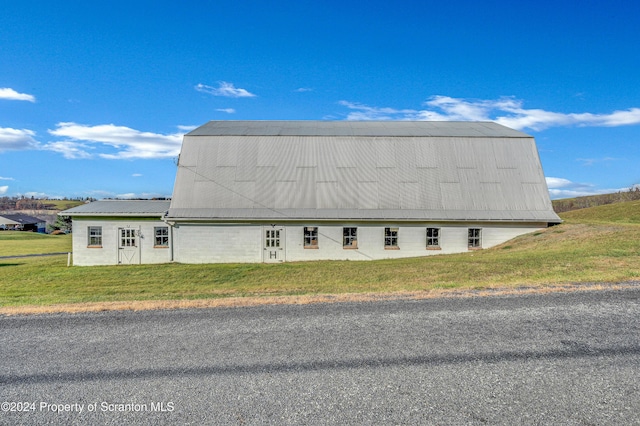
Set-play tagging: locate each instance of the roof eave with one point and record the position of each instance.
(113, 214)
(359, 219)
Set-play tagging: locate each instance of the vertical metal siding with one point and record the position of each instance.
(312, 175)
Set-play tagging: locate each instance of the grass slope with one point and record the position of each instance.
(625, 212)
(598, 245)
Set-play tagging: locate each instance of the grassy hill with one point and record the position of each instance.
(60, 205)
(25, 204)
(595, 245)
(621, 212)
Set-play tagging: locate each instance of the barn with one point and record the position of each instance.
(276, 191)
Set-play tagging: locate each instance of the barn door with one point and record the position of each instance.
(273, 244)
(128, 246)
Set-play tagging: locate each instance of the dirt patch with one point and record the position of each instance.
(307, 299)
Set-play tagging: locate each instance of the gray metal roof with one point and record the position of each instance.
(388, 170)
(19, 219)
(120, 208)
(355, 128)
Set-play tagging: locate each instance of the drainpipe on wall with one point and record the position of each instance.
(170, 242)
(170, 236)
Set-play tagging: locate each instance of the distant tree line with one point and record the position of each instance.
(32, 203)
(569, 204)
(141, 199)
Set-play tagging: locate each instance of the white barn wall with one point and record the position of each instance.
(108, 253)
(243, 243)
(238, 243)
(411, 240)
(495, 235)
(205, 243)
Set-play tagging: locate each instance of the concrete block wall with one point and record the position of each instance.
(411, 240)
(83, 255)
(219, 243)
(243, 243)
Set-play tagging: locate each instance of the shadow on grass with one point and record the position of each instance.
(11, 264)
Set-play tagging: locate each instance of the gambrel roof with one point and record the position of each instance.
(332, 170)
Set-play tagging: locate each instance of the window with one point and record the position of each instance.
(391, 238)
(272, 238)
(433, 238)
(475, 241)
(95, 236)
(350, 237)
(310, 237)
(127, 237)
(161, 236)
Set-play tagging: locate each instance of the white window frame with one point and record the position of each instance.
(474, 238)
(391, 238)
(160, 240)
(94, 236)
(349, 237)
(433, 241)
(310, 237)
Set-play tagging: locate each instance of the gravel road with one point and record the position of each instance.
(564, 358)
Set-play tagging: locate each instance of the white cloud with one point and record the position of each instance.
(12, 95)
(70, 150)
(137, 175)
(364, 112)
(40, 195)
(564, 188)
(128, 143)
(4, 189)
(6, 178)
(36, 195)
(592, 161)
(553, 182)
(127, 195)
(506, 111)
(303, 89)
(17, 139)
(186, 128)
(227, 110)
(459, 109)
(224, 89)
(101, 194)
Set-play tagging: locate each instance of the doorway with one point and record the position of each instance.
(273, 245)
(128, 246)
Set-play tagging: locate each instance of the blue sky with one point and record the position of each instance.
(95, 96)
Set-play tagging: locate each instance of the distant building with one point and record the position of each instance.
(275, 191)
(22, 222)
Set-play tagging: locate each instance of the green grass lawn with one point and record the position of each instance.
(598, 246)
(15, 243)
(64, 204)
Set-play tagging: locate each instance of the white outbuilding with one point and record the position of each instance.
(276, 191)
